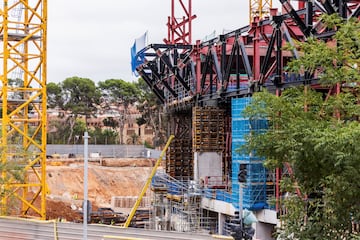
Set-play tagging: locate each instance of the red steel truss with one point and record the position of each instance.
(180, 28)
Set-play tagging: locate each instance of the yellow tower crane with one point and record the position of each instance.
(259, 8)
(23, 107)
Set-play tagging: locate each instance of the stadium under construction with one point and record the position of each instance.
(204, 87)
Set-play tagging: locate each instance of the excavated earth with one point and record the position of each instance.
(106, 178)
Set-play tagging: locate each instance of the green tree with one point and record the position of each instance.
(317, 135)
(151, 111)
(12, 172)
(103, 136)
(54, 95)
(117, 92)
(76, 95)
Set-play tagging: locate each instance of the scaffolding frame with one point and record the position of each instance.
(176, 205)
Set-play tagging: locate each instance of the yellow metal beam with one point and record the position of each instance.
(147, 183)
(23, 35)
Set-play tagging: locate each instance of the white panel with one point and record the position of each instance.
(209, 164)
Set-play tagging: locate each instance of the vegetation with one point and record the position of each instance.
(79, 98)
(152, 112)
(76, 95)
(12, 172)
(117, 92)
(317, 134)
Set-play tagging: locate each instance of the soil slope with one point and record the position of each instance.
(114, 177)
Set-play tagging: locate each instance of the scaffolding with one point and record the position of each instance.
(176, 206)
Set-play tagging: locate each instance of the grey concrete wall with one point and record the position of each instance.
(115, 151)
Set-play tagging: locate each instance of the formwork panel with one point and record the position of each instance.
(179, 159)
(208, 129)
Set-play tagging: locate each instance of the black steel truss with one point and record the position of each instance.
(166, 64)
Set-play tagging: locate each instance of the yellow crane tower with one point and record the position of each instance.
(259, 8)
(23, 107)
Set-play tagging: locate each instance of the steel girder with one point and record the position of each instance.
(239, 62)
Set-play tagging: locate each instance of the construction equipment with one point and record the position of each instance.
(107, 216)
(147, 184)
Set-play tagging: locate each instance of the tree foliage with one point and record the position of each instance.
(119, 93)
(54, 95)
(152, 112)
(317, 135)
(335, 61)
(80, 96)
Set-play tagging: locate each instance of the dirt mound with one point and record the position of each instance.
(62, 211)
(66, 182)
(116, 177)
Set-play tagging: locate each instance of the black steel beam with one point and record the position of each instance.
(207, 66)
(159, 93)
(165, 59)
(237, 68)
(278, 77)
(309, 14)
(230, 61)
(245, 59)
(342, 6)
(269, 50)
(294, 15)
(223, 58)
(290, 41)
(328, 7)
(356, 13)
(163, 81)
(217, 66)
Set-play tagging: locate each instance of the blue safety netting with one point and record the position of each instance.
(254, 189)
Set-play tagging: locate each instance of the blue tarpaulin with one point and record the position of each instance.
(137, 55)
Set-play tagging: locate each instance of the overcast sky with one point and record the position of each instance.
(92, 39)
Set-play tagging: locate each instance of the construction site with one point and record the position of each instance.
(204, 86)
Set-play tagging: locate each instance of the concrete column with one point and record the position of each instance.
(196, 166)
(221, 221)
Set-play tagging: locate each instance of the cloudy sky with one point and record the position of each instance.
(92, 39)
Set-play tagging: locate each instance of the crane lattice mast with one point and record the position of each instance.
(23, 106)
(259, 8)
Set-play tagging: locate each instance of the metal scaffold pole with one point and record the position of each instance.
(85, 205)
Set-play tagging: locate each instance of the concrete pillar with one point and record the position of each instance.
(221, 221)
(196, 166)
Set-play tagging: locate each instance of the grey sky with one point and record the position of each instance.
(92, 39)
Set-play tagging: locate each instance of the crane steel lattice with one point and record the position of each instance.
(180, 28)
(23, 103)
(259, 8)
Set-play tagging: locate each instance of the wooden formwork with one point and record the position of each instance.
(208, 129)
(207, 135)
(179, 161)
